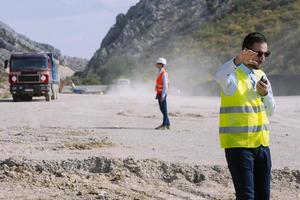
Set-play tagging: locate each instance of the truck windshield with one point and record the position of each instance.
(28, 63)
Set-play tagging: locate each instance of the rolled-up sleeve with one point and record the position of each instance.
(226, 78)
(165, 85)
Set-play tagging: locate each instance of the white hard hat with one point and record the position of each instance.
(162, 61)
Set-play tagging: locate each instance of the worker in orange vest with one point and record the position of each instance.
(161, 89)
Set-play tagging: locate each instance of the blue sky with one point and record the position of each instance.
(76, 27)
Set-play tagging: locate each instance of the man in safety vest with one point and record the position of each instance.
(161, 89)
(246, 102)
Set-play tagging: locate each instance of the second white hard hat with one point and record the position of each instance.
(162, 61)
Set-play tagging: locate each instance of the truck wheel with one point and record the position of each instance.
(16, 98)
(53, 96)
(48, 97)
(26, 98)
(55, 91)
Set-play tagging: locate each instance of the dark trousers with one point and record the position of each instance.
(164, 110)
(250, 169)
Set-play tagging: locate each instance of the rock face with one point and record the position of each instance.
(11, 41)
(75, 63)
(285, 54)
(151, 24)
(196, 36)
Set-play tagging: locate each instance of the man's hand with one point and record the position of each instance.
(162, 98)
(246, 56)
(262, 88)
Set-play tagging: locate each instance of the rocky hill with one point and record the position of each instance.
(75, 63)
(11, 41)
(196, 36)
(147, 29)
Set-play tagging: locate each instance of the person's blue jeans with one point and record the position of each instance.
(164, 110)
(250, 169)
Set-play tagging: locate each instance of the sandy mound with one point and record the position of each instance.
(65, 71)
(103, 178)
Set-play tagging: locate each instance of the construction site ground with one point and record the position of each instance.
(105, 147)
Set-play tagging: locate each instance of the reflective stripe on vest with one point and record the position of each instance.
(242, 109)
(243, 120)
(244, 129)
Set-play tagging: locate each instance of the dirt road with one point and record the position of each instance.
(49, 144)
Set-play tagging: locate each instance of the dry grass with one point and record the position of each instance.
(88, 145)
(4, 87)
(188, 115)
(4, 95)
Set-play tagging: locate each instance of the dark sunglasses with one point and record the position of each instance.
(260, 53)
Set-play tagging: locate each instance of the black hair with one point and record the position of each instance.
(252, 38)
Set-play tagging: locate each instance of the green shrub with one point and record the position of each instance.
(91, 79)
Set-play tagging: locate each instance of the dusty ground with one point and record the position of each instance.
(105, 147)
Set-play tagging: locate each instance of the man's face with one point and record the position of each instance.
(159, 66)
(261, 49)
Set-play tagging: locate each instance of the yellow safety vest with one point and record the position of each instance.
(243, 119)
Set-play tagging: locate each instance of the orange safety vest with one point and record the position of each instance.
(159, 82)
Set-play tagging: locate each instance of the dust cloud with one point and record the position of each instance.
(188, 76)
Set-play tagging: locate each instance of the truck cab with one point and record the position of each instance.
(33, 75)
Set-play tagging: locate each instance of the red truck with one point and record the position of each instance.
(33, 75)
